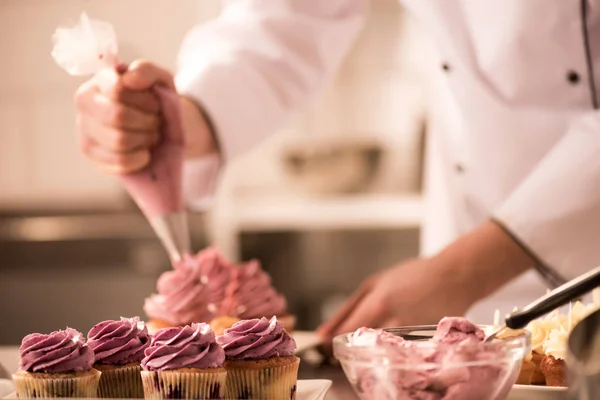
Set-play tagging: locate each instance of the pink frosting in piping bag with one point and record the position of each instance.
(157, 189)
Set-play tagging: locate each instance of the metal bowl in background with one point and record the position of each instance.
(333, 165)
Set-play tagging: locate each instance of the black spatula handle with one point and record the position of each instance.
(560, 296)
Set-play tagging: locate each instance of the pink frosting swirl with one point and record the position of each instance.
(257, 339)
(453, 330)
(250, 294)
(119, 342)
(192, 291)
(57, 352)
(187, 347)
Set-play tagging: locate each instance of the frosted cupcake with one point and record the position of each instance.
(58, 364)
(184, 363)
(119, 347)
(192, 292)
(553, 364)
(250, 295)
(260, 360)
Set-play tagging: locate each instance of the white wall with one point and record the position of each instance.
(39, 162)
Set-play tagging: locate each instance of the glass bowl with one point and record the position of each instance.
(425, 370)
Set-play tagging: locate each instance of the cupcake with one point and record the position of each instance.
(540, 329)
(251, 295)
(191, 292)
(119, 347)
(208, 288)
(58, 364)
(526, 373)
(553, 364)
(184, 363)
(260, 360)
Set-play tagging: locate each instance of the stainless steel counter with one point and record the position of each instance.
(341, 390)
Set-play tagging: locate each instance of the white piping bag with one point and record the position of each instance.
(91, 46)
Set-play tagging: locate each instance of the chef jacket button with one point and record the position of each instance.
(446, 67)
(459, 168)
(573, 77)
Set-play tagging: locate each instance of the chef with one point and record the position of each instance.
(512, 188)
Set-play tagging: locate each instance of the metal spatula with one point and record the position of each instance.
(560, 296)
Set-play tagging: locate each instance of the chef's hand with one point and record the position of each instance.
(119, 118)
(423, 291)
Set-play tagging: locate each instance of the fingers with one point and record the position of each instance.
(109, 82)
(116, 140)
(142, 75)
(111, 162)
(119, 116)
(115, 114)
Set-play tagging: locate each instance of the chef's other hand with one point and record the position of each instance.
(423, 291)
(119, 116)
(413, 293)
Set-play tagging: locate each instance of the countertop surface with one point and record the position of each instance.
(341, 389)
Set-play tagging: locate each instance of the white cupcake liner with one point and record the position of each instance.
(188, 383)
(41, 385)
(264, 379)
(120, 381)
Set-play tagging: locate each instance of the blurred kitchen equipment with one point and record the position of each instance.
(558, 297)
(583, 361)
(332, 165)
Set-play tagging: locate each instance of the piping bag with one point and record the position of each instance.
(87, 48)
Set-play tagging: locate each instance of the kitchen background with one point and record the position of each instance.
(326, 202)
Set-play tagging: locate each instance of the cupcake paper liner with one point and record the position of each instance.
(41, 385)
(275, 378)
(188, 383)
(120, 381)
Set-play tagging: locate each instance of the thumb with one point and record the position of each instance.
(142, 75)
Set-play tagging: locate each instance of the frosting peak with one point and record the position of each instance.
(556, 344)
(257, 339)
(189, 292)
(186, 347)
(119, 342)
(452, 330)
(250, 294)
(60, 351)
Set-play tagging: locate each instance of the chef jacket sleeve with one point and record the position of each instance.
(555, 211)
(258, 62)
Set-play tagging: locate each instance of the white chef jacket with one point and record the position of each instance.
(514, 130)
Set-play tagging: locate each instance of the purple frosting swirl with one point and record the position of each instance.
(119, 342)
(257, 339)
(57, 352)
(186, 347)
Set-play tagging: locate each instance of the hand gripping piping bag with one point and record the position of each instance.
(91, 46)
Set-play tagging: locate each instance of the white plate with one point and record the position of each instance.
(533, 392)
(308, 389)
(313, 389)
(306, 340)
